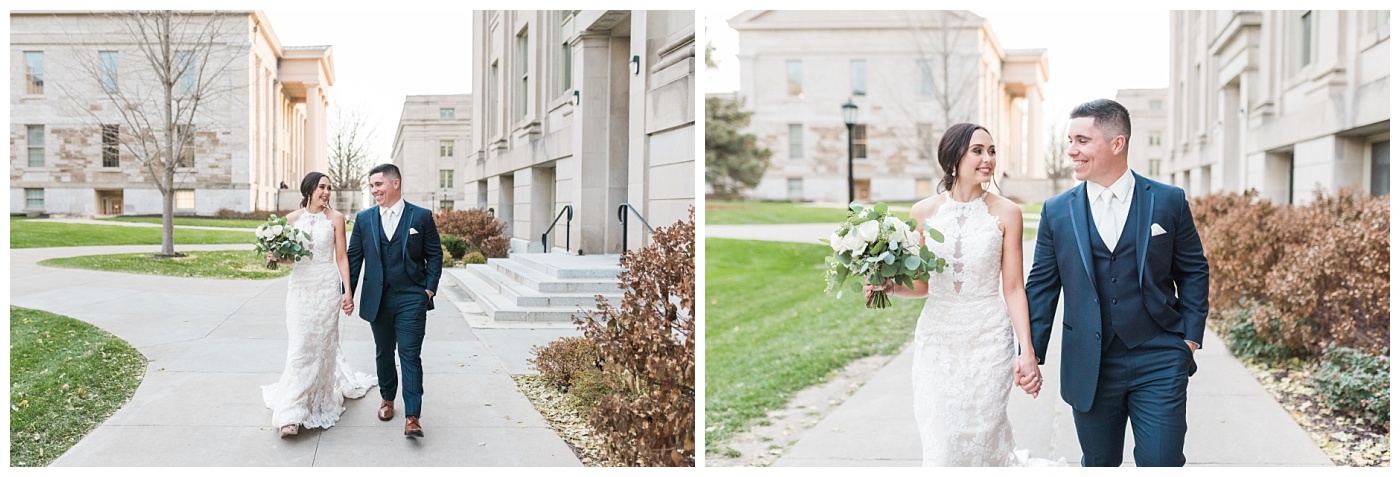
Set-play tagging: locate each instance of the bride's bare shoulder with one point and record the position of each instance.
(926, 208)
(294, 215)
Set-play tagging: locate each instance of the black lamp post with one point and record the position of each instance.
(848, 113)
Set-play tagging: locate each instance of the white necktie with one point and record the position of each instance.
(389, 223)
(1108, 223)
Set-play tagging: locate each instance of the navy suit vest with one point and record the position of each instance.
(391, 256)
(1116, 278)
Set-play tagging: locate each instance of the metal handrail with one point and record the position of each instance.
(622, 219)
(544, 237)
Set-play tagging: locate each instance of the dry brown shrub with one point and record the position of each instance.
(476, 226)
(648, 344)
(1237, 233)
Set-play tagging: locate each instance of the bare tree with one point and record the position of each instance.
(1057, 164)
(182, 60)
(939, 42)
(348, 153)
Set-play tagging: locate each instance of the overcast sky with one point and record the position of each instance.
(382, 56)
(1092, 53)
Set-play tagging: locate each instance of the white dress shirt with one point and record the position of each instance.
(390, 217)
(1110, 206)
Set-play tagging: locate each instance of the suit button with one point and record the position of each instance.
(1115, 301)
(1115, 280)
(1096, 301)
(1096, 336)
(1112, 258)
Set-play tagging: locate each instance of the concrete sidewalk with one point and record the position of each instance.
(1232, 420)
(212, 343)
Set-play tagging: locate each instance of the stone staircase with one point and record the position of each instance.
(539, 288)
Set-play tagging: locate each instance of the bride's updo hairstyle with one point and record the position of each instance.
(312, 179)
(952, 149)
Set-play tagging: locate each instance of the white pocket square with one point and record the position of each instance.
(412, 230)
(1158, 230)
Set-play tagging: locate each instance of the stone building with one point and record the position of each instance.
(431, 144)
(588, 109)
(1284, 102)
(912, 74)
(266, 128)
(1147, 147)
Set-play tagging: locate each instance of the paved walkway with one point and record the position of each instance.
(212, 343)
(1232, 420)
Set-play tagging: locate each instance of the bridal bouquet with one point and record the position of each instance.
(285, 242)
(876, 246)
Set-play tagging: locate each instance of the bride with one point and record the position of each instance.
(317, 377)
(964, 354)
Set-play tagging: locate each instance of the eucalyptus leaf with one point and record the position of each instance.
(911, 262)
(881, 208)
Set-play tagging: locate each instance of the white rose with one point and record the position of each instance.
(853, 243)
(276, 230)
(836, 242)
(868, 231)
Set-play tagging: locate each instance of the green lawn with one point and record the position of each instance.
(201, 222)
(235, 264)
(66, 378)
(770, 331)
(1032, 208)
(26, 233)
(719, 212)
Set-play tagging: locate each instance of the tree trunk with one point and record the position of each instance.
(167, 217)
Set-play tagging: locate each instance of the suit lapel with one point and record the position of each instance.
(404, 227)
(1079, 219)
(1143, 203)
(377, 223)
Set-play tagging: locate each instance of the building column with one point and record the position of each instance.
(315, 129)
(1035, 117)
(600, 139)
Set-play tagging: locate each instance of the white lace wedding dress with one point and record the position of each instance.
(964, 345)
(317, 377)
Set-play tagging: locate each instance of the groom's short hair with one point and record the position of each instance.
(1109, 116)
(390, 171)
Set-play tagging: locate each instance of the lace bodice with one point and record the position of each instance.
(322, 243)
(972, 246)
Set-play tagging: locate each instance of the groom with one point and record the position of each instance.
(398, 244)
(1131, 326)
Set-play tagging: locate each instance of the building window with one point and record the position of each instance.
(445, 179)
(925, 133)
(34, 198)
(111, 151)
(1154, 138)
(109, 71)
(1305, 39)
(184, 140)
(184, 199)
(794, 77)
(1380, 168)
(1155, 105)
(795, 188)
(1154, 167)
(184, 63)
(33, 72)
(522, 70)
(447, 113)
(565, 80)
(794, 141)
(446, 205)
(857, 77)
(445, 148)
(36, 146)
(925, 78)
(858, 141)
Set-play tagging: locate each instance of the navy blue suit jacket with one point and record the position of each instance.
(422, 254)
(1172, 274)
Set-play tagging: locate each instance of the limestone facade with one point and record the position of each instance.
(266, 128)
(1147, 146)
(1283, 102)
(797, 68)
(589, 109)
(431, 145)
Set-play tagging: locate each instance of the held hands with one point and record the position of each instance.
(347, 303)
(1027, 374)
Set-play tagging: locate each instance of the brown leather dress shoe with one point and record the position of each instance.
(411, 427)
(386, 410)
